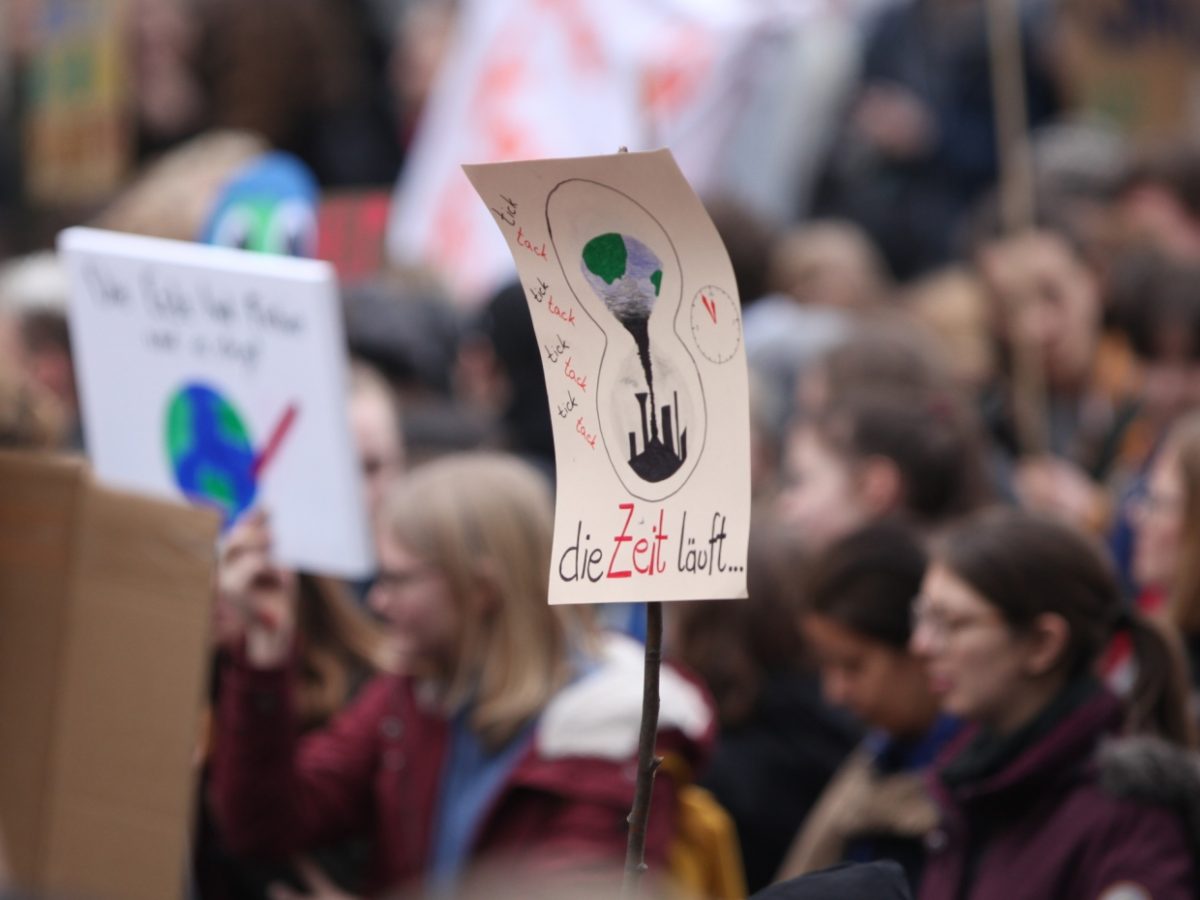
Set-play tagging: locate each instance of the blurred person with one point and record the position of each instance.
(875, 453)
(1155, 307)
(952, 305)
(30, 417)
(850, 881)
(1166, 521)
(35, 340)
(882, 880)
(1044, 297)
(375, 422)
(882, 349)
(339, 649)
(748, 239)
(779, 742)
(320, 94)
(1157, 203)
(403, 326)
(169, 103)
(507, 733)
(499, 373)
(828, 263)
(919, 147)
(856, 619)
(1013, 614)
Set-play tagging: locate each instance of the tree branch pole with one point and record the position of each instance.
(648, 763)
(1017, 206)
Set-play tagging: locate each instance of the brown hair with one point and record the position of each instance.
(1026, 565)
(340, 647)
(929, 435)
(485, 521)
(735, 646)
(867, 580)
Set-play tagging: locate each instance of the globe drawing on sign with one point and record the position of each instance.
(211, 455)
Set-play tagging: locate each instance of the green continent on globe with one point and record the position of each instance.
(209, 450)
(605, 256)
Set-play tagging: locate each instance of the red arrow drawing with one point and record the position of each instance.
(711, 307)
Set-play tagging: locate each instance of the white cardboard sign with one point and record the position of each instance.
(220, 376)
(637, 315)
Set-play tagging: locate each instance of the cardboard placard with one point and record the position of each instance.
(220, 375)
(105, 603)
(637, 314)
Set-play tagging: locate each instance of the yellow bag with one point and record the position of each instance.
(705, 858)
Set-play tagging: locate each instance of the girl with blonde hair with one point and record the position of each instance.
(506, 735)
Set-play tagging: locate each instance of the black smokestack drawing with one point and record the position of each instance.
(627, 276)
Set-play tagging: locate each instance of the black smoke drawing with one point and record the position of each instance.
(627, 276)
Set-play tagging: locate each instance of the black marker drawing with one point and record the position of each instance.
(627, 276)
(622, 267)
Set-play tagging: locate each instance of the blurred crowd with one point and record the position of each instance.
(972, 640)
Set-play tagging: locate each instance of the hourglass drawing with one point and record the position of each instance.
(623, 269)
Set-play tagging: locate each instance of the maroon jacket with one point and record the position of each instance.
(1052, 830)
(377, 768)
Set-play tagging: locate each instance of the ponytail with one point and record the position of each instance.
(1158, 704)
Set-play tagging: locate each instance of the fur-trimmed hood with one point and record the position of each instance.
(1153, 771)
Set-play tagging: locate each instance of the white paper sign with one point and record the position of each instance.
(219, 375)
(636, 311)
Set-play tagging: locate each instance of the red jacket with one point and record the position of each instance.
(1053, 828)
(377, 769)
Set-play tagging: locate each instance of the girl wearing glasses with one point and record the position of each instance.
(1040, 798)
(507, 736)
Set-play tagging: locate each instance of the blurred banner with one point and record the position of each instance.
(530, 79)
(1135, 62)
(350, 232)
(77, 140)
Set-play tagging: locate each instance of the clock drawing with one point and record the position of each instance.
(716, 324)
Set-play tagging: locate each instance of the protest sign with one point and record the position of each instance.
(105, 604)
(638, 320)
(219, 375)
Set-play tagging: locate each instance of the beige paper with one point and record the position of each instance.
(637, 315)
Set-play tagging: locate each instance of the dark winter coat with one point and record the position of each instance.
(1072, 816)
(882, 880)
(377, 770)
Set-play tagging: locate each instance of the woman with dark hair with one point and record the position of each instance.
(779, 743)
(1013, 614)
(1166, 526)
(857, 625)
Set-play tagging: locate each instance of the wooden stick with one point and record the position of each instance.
(648, 763)
(1017, 205)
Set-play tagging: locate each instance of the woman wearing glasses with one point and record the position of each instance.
(1166, 530)
(506, 739)
(1039, 799)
